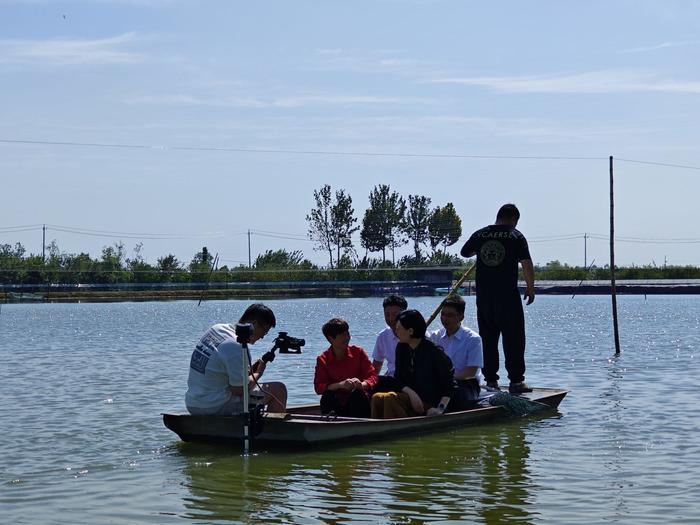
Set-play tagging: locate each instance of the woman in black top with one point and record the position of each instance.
(424, 376)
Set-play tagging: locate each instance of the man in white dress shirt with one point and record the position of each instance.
(463, 346)
(385, 347)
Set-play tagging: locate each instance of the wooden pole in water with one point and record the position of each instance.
(612, 261)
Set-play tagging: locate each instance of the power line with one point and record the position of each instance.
(20, 229)
(665, 164)
(295, 151)
(267, 232)
(303, 237)
(336, 153)
(76, 229)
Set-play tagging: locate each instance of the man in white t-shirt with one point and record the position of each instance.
(215, 382)
(462, 346)
(385, 346)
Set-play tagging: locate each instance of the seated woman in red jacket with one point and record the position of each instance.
(344, 374)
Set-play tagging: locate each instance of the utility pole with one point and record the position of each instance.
(250, 265)
(585, 250)
(43, 245)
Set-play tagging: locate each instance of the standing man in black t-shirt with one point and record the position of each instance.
(498, 249)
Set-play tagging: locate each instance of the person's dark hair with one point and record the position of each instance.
(260, 313)
(455, 301)
(335, 327)
(508, 211)
(395, 300)
(413, 319)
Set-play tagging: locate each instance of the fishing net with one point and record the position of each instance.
(517, 405)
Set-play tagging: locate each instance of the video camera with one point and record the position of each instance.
(286, 344)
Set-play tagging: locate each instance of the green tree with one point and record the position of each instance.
(321, 222)
(416, 221)
(444, 227)
(78, 268)
(54, 264)
(200, 265)
(342, 224)
(112, 263)
(141, 271)
(168, 267)
(12, 263)
(382, 220)
(282, 259)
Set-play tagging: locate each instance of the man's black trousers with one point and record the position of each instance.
(502, 315)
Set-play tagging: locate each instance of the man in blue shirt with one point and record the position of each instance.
(463, 346)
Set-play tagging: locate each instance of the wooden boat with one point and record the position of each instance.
(304, 426)
(25, 297)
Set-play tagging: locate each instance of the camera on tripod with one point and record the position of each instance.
(243, 333)
(286, 344)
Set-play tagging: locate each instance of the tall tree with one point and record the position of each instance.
(201, 261)
(201, 265)
(168, 266)
(445, 227)
(396, 207)
(380, 224)
(372, 234)
(320, 222)
(342, 223)
(416, 221)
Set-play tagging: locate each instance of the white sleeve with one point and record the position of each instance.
(232, 354)
(475, 352)
(379, 352)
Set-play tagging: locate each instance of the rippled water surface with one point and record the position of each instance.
(82, 387)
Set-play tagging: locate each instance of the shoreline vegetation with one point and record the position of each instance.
(253, 284)
(115, 275)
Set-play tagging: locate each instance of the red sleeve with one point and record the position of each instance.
(367, 371)
(321, 376)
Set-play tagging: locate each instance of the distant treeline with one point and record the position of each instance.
(114, 266)
(556, 271)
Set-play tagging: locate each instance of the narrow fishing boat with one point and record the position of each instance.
(304, 426)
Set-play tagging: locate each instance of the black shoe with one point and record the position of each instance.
(492, 386)
(519, 388)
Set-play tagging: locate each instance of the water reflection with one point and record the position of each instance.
(614, 409)
(481, 474)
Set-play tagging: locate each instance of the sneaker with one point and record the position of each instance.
(492, 386)
(519, 388)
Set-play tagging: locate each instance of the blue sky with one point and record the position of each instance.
(443, 79)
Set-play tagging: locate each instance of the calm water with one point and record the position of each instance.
(82, 387)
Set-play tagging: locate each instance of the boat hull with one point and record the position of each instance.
(304, 426)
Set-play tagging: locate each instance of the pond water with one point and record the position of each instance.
(82, 387)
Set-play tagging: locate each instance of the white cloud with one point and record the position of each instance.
(111, 50)
(146, 3)
(293, 101)
(382, 61)
(583, 83)
(663, 45)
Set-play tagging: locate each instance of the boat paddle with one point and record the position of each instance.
(453, 290)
